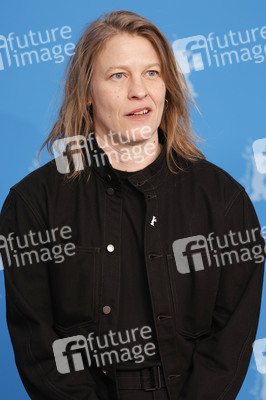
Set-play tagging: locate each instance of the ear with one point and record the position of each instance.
(89, 103)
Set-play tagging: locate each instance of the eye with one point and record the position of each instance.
(118, 75)
(152, 73)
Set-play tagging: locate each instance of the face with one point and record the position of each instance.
(127, 79)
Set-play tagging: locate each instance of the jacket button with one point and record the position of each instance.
(106, 310)
(110, 248)
(110, 191)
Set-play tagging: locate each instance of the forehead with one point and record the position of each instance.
(127, 48)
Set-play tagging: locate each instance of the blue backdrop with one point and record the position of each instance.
(222, 49)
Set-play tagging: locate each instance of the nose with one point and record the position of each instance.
(137, 88)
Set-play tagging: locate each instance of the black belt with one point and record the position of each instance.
(144, 379)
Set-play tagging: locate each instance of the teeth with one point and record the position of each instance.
(141, 112)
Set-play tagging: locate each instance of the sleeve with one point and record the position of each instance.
(30, 316)
(221, 359)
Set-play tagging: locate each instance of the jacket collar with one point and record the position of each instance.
(146, 179)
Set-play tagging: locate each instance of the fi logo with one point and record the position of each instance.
(191, 253)
(259, 150)
(4, 46)
(71, 147)
(259, 350)
(4, 245)
(192, 53)
(71, 354)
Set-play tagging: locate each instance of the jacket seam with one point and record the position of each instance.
(31, 208)
(232, 200)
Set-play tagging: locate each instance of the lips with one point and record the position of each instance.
(140, 111)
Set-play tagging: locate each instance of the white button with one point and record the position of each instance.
(110, 248)
(106, 310)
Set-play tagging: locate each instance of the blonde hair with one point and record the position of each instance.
(75, 116)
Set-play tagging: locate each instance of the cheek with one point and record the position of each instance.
(109, 99)
(160, 92)
(163, 90)
(103, 105)
(161, 97)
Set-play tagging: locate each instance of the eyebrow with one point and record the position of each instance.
(126, 67)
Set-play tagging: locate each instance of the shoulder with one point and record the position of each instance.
(206, 180)
(208, 173)
(34, 191)
(38, 180)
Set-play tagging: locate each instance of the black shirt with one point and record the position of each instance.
(135, 305)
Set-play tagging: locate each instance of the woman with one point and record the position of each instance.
(122, 315)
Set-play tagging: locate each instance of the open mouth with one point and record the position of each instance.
(142, 112)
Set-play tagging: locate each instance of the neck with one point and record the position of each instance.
(131, 156)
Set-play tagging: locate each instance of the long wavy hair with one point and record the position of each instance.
(76, 117)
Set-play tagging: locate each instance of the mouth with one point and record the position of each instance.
(139, 111)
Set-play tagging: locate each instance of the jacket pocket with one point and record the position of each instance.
(193, 297)
(75, 287)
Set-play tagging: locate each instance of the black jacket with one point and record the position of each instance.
(205, 320)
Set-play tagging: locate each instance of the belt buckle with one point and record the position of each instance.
(156, 379)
